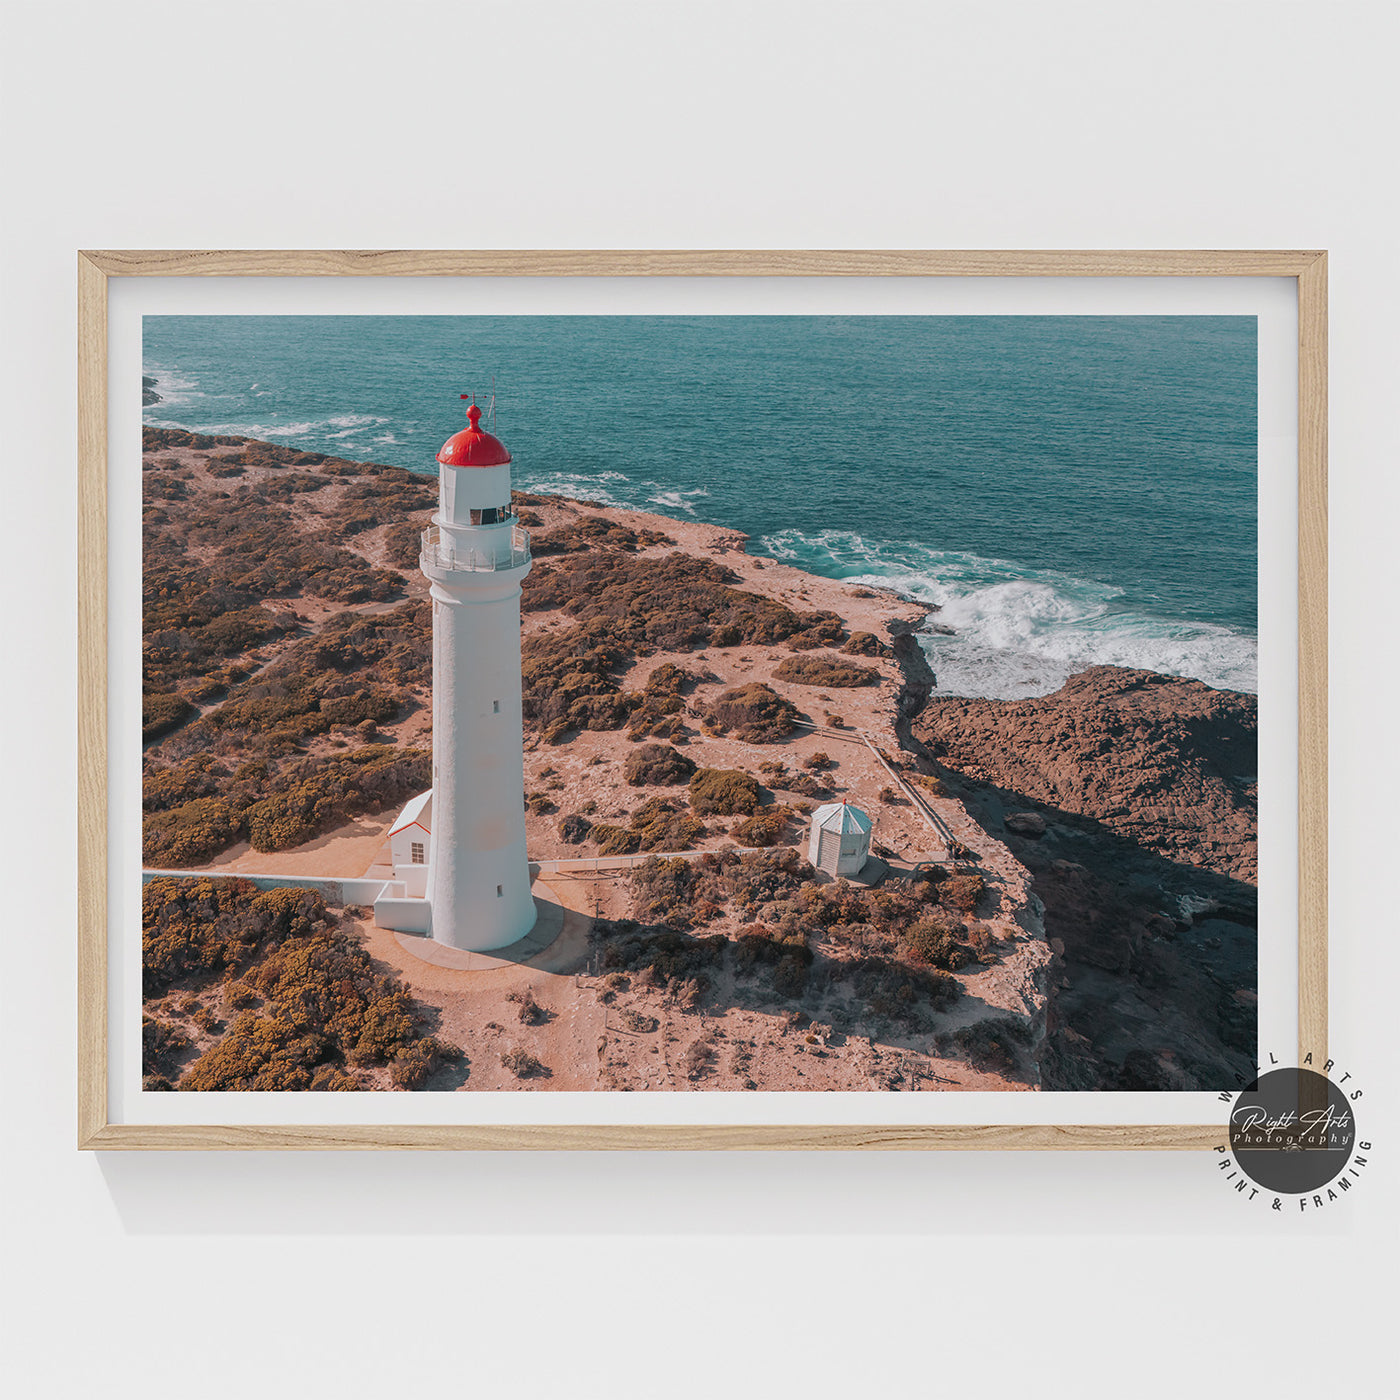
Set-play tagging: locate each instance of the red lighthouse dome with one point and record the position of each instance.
(473, 448)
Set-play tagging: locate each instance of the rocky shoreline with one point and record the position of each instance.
(1131, 799)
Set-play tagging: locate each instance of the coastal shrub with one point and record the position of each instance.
(820, 761)
(962, 892)
(307, 798)
(624, 606)
(163, 788)
(753, 879)
(613, 840)
(189, 833)
(821, 628)
(896, 989)
(269, 709)
(575, 828)
(323, 1002)
(764, 828)
(754, 713)
(328, 1078)
(932, 941)
(656, 825)
(807, 669)
(286, 818)
(264, 1053)
(198, 689)
(664, 956)
(725, 792)
(316, 795)
(588, 532)
(568, 681)
(233, 633)
(866, 644)
(783, 949)
(162, 713)
(698, 1058)
(413, 1066)
(672, 602)
(522, 1064)
(201, 926)
(981, 940)
(994, 1044)
(528, 1011)
(403, 540)
(778, 775)
(657, 765)
(659, 712)
(662, 890)
(161, 1046)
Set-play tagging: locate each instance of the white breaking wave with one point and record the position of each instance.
(344, 425)
(576, 484)
(1019, 632)
(348, 424)
(173, 389)
(676, 500)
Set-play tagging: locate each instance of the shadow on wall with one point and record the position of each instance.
(578, 1194)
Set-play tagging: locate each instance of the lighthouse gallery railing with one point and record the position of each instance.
(440, 552)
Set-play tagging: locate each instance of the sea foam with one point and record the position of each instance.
(1017, 632)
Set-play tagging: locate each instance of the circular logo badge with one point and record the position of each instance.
(1292, 1130)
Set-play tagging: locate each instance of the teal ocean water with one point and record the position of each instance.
(1071, 491)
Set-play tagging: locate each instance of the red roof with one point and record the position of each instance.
(473, 448)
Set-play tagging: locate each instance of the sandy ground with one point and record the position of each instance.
(349, 850)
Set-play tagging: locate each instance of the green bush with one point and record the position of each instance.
(662, 704)
(825, 670)
(324, 1005)
(657, 765)
(726, 792)
(657, 825)
(163, 788)
(755, 713)
(411, 1068)
(162, 713)
(866, 644)
(764, 828)
(190, 833)
(523, 1065)
(161, 1046)
(962, 892)
(931, 941)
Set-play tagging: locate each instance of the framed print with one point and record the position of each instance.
(698, 699)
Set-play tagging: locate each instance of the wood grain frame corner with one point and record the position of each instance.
(97, 1132)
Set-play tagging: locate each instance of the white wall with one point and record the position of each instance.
(1021, 125)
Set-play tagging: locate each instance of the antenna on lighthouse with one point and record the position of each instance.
(492, 409)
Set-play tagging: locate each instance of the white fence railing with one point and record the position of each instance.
(441, 551)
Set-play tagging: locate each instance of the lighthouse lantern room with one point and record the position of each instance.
(475, 556)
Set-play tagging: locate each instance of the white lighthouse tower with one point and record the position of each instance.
(474, 556)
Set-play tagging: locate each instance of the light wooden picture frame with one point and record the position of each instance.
(96, 1130)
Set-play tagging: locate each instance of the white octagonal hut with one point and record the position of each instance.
(840, 839)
